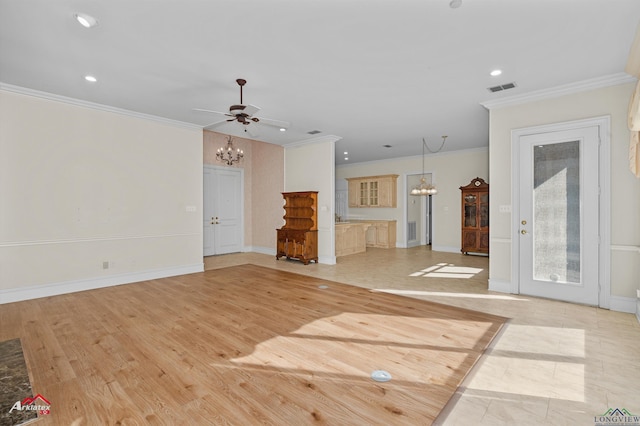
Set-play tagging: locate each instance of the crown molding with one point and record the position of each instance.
(317, 139)
(93, 105)
(555, 92)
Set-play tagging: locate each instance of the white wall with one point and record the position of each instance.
(311, 167)
(450, 171)
(625, 188)
(80, 186)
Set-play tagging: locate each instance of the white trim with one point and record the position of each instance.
(604, 124)
(92, 239)
(447, 249)
(623, 304)
(93, 105)
(327, 260)
(500, 240)
(439, 154)
(54, 289)
(262, 250)
(555, 92)
(314, 140)
(618, 247)
(500, 286)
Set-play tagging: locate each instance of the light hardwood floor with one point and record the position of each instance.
(554, 363)
(245, 345)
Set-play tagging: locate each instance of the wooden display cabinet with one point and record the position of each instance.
(298, 238)
(475, 217)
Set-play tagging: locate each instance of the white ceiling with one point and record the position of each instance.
(372, 72)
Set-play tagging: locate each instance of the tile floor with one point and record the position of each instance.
(554, 363)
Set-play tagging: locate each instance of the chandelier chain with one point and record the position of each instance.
(424, 142)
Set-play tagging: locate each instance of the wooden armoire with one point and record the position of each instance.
(475, 217)
(298, 238)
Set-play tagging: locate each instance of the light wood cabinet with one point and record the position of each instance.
(381, 234)
(475, 217)
(298, 238)
(373, 191)
(351, 238)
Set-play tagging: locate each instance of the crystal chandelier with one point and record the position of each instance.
(425, 188)
(228, 154)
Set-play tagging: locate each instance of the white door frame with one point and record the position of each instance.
(604, 252)
(204, 201)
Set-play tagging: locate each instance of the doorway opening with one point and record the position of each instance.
(419, 213)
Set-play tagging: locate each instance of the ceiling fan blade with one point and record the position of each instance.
(215, 112)
(216, 124)
(251, 110)
(274, 123)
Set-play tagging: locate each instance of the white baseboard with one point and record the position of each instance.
(54, 289)
(499, 286)
(262, 250)
(327, 260)
(447, 249)
(616, 303)
(623, 304)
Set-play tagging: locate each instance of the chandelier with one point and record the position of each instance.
(424, 188)
(228, 154)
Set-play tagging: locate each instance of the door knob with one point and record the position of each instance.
(524, 222)
(524, 231)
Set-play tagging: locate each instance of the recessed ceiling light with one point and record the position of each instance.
(495, 73)
(386, 146)
(85, 20)
(346, 153)
(282, 129)
(90, 78)
(346, 158)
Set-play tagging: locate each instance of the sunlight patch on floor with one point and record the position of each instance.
(538, 361)
(446, 294)
(352, 344)
(447, 270)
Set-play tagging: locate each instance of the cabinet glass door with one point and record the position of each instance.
(484, 210)
(364, 193)
(470, 211)
(373, 193)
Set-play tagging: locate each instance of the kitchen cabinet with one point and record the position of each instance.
(373, 191)
(381, 234)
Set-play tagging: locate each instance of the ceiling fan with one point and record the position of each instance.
(243, 114)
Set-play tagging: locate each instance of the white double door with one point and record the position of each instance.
(223, 210)
(557, 229)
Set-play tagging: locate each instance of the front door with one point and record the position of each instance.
(223, 192)
(559, 214)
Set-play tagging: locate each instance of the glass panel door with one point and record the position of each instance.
(558, 206)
